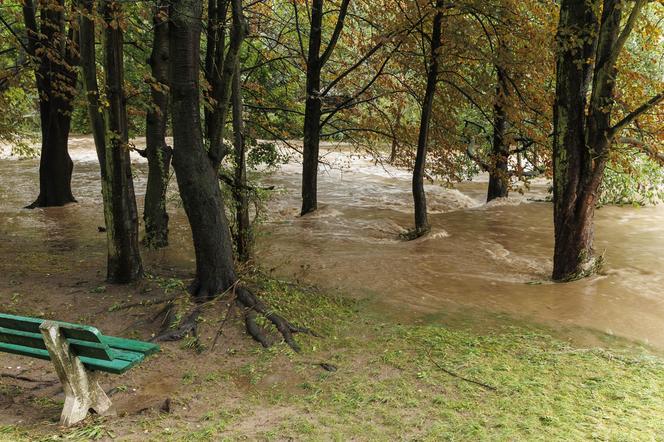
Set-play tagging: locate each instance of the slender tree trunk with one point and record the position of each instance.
(56, 86)
(312, 113)
(243, 227)
(157, 152)
(395, 141)
(221, 79)
(195, 172)
(109, 128)
(214, 58)
(498, 173)
(419, 196)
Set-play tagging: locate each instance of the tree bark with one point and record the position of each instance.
(312, 113)
(498, 173)
(157, 152)
(55, 52)
(109, 128)
(419, 196)
(196, 175)
(242, 223)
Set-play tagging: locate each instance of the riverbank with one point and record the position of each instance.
(368, 377)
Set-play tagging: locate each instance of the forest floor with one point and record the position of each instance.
(459, 376)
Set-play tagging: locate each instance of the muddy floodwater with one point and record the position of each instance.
(486, 257)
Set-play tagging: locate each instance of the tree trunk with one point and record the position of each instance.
(312, 113)
(109, 128)
(56, 86)
(395, 140)
(243, 227)
(221, 76)
(157, 152)
(196, 175)
(498, 173)
(214, 55)
(419, 196)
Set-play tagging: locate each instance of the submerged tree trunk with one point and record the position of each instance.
(157, 152)
(242, 223)
(572, 160)
(419, 196)
(582, 140)
(56, 86)
(109, 128)
(499, 177)
(312, 113)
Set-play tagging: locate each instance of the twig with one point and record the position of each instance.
(140, 304)
(220, 331)
(18, 377)
(458, 376)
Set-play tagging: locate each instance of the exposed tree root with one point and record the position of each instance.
(254, 305)
(176, 326)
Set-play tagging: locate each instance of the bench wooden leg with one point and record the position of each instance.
(82, 390)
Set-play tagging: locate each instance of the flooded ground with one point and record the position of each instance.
(494, 257)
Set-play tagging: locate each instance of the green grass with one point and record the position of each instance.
(393, 381)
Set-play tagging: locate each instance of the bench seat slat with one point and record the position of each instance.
(35, 340)
(21, 335)
(147, 348)
(31, 325)
(117, 366)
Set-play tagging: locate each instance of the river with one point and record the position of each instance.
(479, 257)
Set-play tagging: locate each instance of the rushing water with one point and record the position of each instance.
(492, 257)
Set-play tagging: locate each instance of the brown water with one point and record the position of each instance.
(493, 257)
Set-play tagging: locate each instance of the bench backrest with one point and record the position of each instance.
(83, 340)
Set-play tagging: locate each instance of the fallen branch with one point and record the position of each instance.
(458, 376)
(146, 303)
(220, 330)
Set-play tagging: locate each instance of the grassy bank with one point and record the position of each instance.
(380, 380)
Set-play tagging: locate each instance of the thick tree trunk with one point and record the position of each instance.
(571, 159)
(196, 175)
(419, 196)
(312, 113)
(56, 85)
(109, 128)
(198, 181)
(499, 178)
(582, 141)
(243, 227)
(55, 164)
(157, 152)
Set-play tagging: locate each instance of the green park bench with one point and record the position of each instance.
(78, 352)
